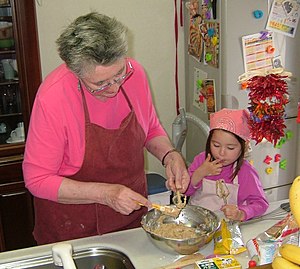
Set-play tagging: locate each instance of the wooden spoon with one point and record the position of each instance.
(166, 210)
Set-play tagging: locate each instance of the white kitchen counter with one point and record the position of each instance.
(137, 246)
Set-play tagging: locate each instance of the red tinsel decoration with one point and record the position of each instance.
(268, 96)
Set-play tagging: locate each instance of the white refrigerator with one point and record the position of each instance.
(236, 18)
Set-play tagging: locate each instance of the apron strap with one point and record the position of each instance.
(86, 111)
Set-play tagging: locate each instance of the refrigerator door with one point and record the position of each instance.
(236, 18)
(277, 193)
(277, 166)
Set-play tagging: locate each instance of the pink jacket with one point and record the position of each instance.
(55, 143)
(251, 198)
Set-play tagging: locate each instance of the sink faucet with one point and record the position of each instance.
(62, 255)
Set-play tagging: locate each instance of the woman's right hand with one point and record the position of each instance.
(119, 197)
(122, 199)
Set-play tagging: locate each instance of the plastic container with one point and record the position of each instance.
(7, 43)
(157, 191)
(6, 31)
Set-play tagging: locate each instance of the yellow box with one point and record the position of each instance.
(226, 261)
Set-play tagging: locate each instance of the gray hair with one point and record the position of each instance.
(90, 40)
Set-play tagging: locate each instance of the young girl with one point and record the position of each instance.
(221, 179)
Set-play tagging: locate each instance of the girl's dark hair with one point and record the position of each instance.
(239, 161)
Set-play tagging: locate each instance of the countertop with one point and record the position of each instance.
(138, 247)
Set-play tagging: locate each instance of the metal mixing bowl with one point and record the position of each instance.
(203, 220)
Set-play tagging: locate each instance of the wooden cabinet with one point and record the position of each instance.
(16, 210)
(20, 77)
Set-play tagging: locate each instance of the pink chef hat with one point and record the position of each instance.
(232, 120)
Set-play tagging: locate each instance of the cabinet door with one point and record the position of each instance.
(16, 207)
(20, 72)
(11, 116)
(16, 217)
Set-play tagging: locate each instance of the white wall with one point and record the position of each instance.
(152, 43)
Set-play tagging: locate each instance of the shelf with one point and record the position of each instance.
(7, 51)
(8, 82)
(10, 115)
(5, 5)
(4, 143)
(6, 18)
(6, 12)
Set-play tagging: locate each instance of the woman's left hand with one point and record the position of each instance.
(232, 212)
(178, 177)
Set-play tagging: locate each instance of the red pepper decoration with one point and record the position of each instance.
(268, 96)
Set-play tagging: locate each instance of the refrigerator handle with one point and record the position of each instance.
(180, 129)
(214, 9)
(229, 101)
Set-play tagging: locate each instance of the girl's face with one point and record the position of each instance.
(225, 147)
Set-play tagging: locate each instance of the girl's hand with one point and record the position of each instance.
(207, 168)
(211, 167)
(232, 212)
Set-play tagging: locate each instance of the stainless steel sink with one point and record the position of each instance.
(91, 258)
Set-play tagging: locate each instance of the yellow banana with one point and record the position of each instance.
(294, 197)
(282, 263)
(290, 252)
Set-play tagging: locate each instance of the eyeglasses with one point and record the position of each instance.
(118, 80)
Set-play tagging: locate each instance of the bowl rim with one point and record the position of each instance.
(158, 237)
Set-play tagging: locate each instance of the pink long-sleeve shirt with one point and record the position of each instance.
(55, 142)
(251, 197)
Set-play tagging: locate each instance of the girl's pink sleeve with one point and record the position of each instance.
(251, 198)
(198, 160)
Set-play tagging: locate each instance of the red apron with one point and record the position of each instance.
(111, 156)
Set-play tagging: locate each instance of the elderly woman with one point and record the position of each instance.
(92, 118)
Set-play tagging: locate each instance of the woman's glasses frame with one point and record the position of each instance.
(119, 80)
